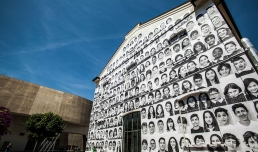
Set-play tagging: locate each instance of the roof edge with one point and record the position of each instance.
(141, 25)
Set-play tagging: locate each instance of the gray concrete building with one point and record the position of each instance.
(24, 99)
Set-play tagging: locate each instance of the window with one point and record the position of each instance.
(132, 132)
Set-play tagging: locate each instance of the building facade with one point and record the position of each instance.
(24, 99)
(179, 82)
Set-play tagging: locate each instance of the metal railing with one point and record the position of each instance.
(47, 144)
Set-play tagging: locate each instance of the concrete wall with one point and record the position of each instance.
(75, 139)
(63, 139)
(76, 129)
(27, 98)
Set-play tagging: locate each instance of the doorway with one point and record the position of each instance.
(132, 132)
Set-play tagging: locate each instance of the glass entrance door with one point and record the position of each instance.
(132, 132)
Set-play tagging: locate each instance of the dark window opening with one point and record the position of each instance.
(132, 132)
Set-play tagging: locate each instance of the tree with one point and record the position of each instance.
(5, 121)
(41, 126)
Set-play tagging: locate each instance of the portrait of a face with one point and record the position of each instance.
(199, 48)
(162, 144)
(144, 128)
(199, 141)
(152, 51)
(176, 48)
(214, 95)
(211, 77)
(204, 60)
(191, 66)
(222, 32)
(194, 118)
(240, 64)
(182, 71)
(198, 82)
(159, 47)
(143, 100)
(224, 69)
(230, 141)
(157, 95)
(170, 125)
(191, 101)
(208, 118)
(211, 11)
(143, 113)
(215, 139)
(161, 126)
(166, 91)
(156, 81)
(217, 21)
(222, 116)
(159, 109)
(154, 59)
(253, 87)
(185, 43)
(162, 25)
(156, 30)
(232, 48)
(250, 139)
(110, 145)
(210, 40)
(151, 127)
(205, 29)
(165, 43)
(168, 20)
(147, 54)
(152, 144)
(172, 144)
(144, 144)
(186, 85)
(189, 25)
(167, 52)
(200, 18)
(233, 93)
(169, 63)
(194, 34)
(151, 98)
(241, 113)
(188, 53)
(147, 64)
(168, 106)
(150, 36)
(179, 58)
(210, 123)
(151, 111)
(185, 142)
(176, 88)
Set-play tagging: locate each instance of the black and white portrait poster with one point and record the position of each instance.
(184, 83)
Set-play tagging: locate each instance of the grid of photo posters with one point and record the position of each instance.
(191, 80)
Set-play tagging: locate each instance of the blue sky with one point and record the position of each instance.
(65, 44)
